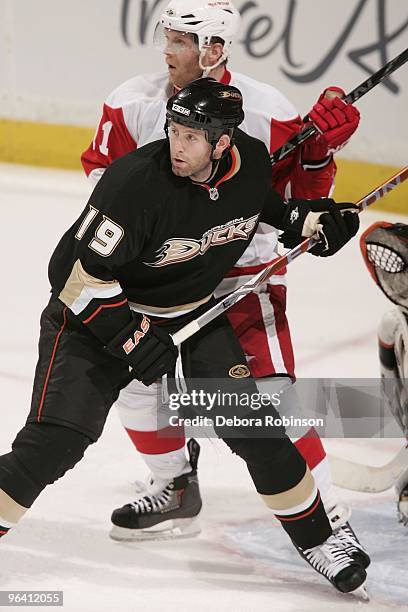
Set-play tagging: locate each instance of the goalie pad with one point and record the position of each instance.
(385, 250)
(393, 349)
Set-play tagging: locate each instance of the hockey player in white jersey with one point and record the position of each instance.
(385, 251)
(197, 36)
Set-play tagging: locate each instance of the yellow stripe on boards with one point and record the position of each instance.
(60, 146)
(356, 179)
(43, 144)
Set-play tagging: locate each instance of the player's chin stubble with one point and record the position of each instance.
(180, 172)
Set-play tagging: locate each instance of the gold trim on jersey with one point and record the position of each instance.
(293, 497)
(169, 310)
(235, 168)
(10, 510)
(78, 280)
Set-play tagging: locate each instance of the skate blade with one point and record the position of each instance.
(361, 593)
(168, 530)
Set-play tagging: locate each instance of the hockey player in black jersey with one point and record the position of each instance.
(161, 229)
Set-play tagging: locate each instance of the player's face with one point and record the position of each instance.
(190, 152)
(182, 58)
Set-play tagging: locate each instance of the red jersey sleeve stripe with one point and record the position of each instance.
(101, 307)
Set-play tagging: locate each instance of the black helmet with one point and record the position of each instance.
(207, 105)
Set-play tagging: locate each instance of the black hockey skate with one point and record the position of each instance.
(332, 561)
(166, 514)
(338, 517)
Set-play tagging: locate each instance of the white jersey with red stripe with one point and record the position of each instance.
(134, 115)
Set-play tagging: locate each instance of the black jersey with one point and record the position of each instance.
(159, 240)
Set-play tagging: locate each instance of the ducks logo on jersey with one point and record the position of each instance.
(178, 250)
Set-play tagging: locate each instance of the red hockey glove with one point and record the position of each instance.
(336, 122)
(148, 350)
(334, 222)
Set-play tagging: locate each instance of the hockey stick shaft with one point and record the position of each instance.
(194, 326)
(353, 96)
(368, 478)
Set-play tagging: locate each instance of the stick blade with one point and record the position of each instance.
(368, 478)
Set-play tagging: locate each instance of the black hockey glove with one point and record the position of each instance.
(148, 350)
(335, 223)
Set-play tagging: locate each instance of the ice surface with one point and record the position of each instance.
(265, 543)
(242, 561)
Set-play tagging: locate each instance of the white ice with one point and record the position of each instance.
(242, 561)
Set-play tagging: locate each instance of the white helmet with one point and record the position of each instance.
(206, 19)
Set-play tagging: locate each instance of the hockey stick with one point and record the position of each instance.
(353, 96)
(194, 326)
(368, 478)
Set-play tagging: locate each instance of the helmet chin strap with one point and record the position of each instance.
(207, 69)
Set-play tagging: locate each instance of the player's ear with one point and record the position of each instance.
(223, 143)
(213, 54)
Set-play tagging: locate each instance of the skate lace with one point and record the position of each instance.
(153, 503)
(328, 558)
(346, 538)
(140, 486)
(152, 485)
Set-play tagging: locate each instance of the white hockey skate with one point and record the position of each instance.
(168, 509)
(332, 561)
(339, 516)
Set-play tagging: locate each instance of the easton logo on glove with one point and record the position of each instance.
(132, 343)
